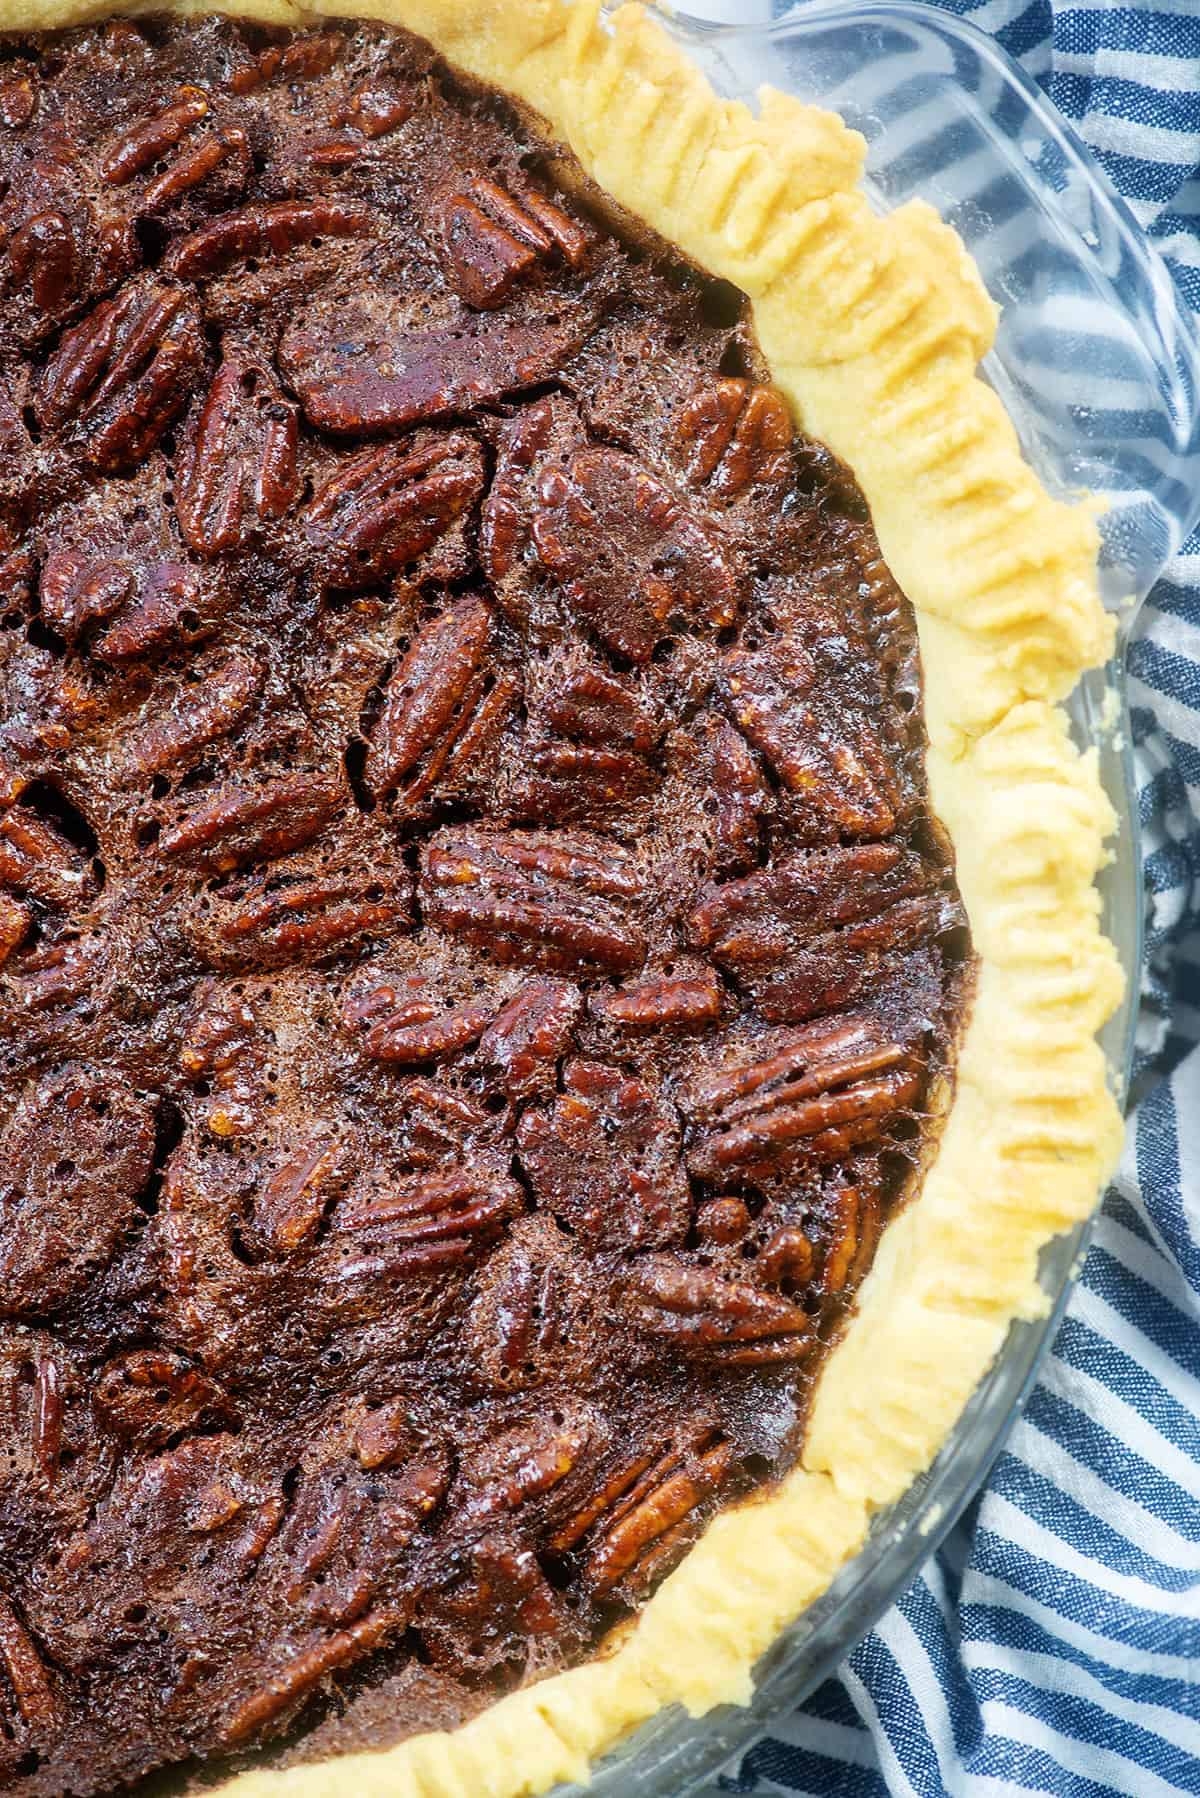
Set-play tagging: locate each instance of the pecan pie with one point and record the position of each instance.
(483, 954)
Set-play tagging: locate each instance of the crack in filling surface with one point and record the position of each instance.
(479, 968)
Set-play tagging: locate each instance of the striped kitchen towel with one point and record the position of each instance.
(1053, 1644)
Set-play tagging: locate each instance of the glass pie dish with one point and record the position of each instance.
(1002, 577)
(1098, 365)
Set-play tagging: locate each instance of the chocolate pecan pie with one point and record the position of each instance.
(485, 961)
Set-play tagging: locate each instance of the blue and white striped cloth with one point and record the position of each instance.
(1053, 1644)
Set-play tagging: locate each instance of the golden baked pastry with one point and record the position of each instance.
(328, 1067)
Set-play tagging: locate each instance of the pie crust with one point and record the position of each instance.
(873, 328)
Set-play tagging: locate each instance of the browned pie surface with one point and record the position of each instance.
(475, 950)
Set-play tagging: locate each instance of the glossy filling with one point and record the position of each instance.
(478, 964)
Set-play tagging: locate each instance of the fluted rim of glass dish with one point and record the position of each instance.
(671, 1754)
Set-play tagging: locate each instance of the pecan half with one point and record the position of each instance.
(15, 920)
(814, 930)
(60, 254)
(735, 436)
(28, 1676)
(800, 897)
(329, 153)
(525, 1463)
(302, 60)
(643, 1515)
(324, 1553)
(178, 1507)
(44, 250)
(347, 1529)
(46, 1437)
(18, 100)
(723, 1221)
(55, 976)
(220, 1033)
(73, 1158)
(530, 1299)
(124, 373)
(462, 764)
(310, 919)
(578, 783)
(198, 716)
(495, 240)
(423, 1485)
(289, 1208)
(628, 553)
(431, 701)
(411, 1004)
(680, 1003)
(787, 1257)
(524, 441)
(500, 1596)
(221, 1048)
(256, 824)
(441, 1122)
(377, 108)
(370, 374)
(814, 1092)
(528, 1035)
(283, 1690)
(698, 1312)
(37, 1390)
(250, 76)
(740, 795)
(147, 142)
(79, 588)
(605, 1160)
(171, 604)
(385, 507)
(424, 1223)
(191, 1511)
(226, 150)
(854, 1220)
(561, 901)
(152, 1394)
(37, 860)
(238, 468)
(309, 56)
(263, 230)
(383, 1434)
(409, 1027)
(821, 743)
(592, 705)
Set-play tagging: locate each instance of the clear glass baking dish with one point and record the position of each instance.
(1098, 364)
